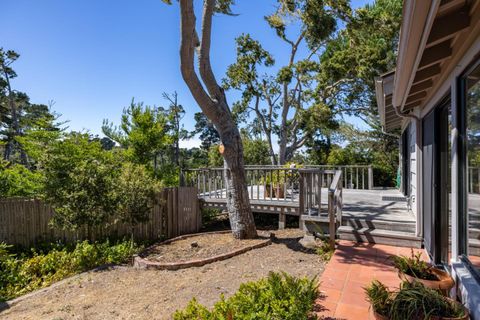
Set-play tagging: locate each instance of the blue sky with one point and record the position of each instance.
(92, 57)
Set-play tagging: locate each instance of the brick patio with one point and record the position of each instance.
(352, 267)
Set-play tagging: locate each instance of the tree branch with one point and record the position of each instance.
(187, 57)
(205, 67)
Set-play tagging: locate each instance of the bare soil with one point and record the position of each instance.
(127, 293)
(199, 247)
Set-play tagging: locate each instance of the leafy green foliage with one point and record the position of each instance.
(143, 132)
(414, 266)
(411, 301)
(279, 296)
(18, 181)
(25, 273)
(379, 297)
(324, 250)
(80, 181)
(135, 193)
(206, 131)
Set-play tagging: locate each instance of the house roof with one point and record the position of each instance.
(432, 36)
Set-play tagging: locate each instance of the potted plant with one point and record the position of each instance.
(413, 268)
(412, 301)
(416, 301)
(276, 183)
(380, 300)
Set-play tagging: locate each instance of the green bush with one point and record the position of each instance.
(26, 272)
(17, 181)
(277, 297)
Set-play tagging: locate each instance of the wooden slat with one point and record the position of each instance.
(25, 222)
(427, 73)
(435, 54)
(447, 26)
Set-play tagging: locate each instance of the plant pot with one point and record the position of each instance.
(378, 316)
(266, 192)
(279, 192)
(445, 282)
(465, 317)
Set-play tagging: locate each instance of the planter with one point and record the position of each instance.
(445, 281)
(279, 191)
(465, 317)
(378, 316)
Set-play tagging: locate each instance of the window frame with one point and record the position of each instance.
(462, 171)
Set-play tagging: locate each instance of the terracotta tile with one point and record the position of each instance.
(333, 273)
(354, 299)
(331, 283)
(330, 295)
(350, 312)
(325, 309)
(354, 287)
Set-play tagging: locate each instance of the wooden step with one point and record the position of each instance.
(389, 237)
(356, 223)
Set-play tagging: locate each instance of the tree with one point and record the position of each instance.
(349, 65)
(282, 101)
(211, 98)
(143, 132)
(10, 115)
(359, 53)
(80, 181)
(206, 131)
(175, 116)
(135, 192)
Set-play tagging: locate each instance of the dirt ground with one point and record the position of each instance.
(199, 247)
(127, 293)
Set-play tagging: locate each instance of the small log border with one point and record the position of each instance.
(140, 262)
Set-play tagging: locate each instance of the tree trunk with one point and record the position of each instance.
(238, 203)
(211, 99)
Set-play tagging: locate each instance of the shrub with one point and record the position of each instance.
(80, 180)
(17, 181)
(135, 193)
(23, 273)
(279, 296)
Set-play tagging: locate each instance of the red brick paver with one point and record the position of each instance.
(352, 267)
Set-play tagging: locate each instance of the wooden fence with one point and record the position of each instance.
(25, 222)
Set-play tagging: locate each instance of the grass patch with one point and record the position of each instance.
(279, 296)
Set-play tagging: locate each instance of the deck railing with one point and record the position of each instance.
(274, 182)
(311, 183)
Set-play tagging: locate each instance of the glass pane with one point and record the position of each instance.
(473, 170)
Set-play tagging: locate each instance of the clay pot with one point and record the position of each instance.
(378, 316)
(445, 282)
(465, 317)
(279, 192)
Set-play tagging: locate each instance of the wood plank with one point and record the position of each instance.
(435, 54)
(427, 73)
(445, 27)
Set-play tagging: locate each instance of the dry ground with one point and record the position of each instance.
(126, 293)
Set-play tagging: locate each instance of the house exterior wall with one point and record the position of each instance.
(467, 288)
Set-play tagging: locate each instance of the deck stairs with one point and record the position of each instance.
(384, 219)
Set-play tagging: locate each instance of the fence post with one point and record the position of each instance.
(370, 177)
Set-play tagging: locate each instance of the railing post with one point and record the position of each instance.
(301, 205)
(332, 218)
(370, 177)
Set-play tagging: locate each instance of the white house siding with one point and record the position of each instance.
(412, 137)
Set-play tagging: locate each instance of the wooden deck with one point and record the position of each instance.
(340, 202)
(379, 205)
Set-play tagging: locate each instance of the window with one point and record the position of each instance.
(471, 101)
